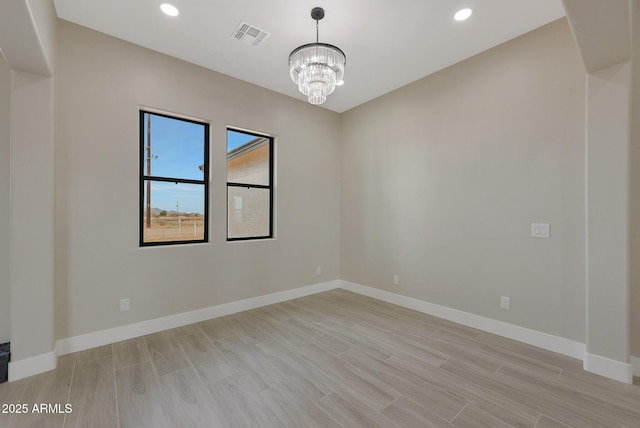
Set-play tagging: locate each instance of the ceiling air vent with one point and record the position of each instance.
(249, 34)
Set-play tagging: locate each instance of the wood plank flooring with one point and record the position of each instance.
(334, 359)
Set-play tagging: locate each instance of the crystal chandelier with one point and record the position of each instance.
(317, 67)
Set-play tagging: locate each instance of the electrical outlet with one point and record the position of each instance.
(541, 230)
(396, 280)
(505, 302)
(124, 305)
(319, 270)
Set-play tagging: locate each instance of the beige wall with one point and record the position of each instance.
(100, 84)
(32, 216)
(608, 125)
(441, 180)
(5, 85)
(605, 48)
(634, 171)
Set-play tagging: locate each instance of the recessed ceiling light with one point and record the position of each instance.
(169, 9)
(462, 14)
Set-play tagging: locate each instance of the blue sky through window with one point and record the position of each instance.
(235, 139)
(177, 148)
(177, 151)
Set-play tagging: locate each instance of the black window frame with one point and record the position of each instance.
(255, 186)
(151, 178)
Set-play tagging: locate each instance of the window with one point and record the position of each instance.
(174, 180)
(249, 185)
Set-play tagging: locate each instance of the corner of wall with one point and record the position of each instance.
(5, 197)
(609, 368)
(32, 366)
(635, 364)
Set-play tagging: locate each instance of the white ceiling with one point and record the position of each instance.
(388, 43)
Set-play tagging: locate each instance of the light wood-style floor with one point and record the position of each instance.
(335, 359)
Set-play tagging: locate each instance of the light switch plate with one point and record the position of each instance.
(541, 230)
(505, 302)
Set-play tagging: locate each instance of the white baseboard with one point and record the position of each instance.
(32, 366)
(532, 337)
(607, 367)
(116, 334)
(603, 366)
(45, 362)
